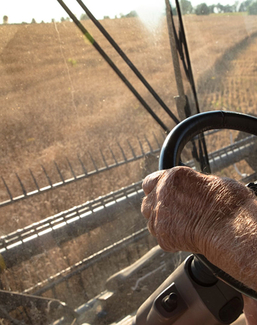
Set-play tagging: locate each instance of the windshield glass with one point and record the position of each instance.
(88, 93)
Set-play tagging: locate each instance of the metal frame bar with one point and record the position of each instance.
(51, 185)
(12, 300)
(63, 226)
(75, 269)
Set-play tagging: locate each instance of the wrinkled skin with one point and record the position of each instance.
(216, 217)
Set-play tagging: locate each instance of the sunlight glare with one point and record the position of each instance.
(150, 13)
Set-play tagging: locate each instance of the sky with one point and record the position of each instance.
(45, 10)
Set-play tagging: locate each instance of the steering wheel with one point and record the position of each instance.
(174, 144)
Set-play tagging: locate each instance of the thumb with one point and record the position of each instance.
(151, 181)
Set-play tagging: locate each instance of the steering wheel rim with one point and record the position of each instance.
(170, 157)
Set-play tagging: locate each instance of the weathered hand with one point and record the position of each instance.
(186, 210)
(209, 215)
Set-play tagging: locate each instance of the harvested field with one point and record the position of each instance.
(60, 99)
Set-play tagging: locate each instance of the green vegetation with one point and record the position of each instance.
(247, 6)
(84, 17)
(252, 9)
(186, 7)
(202, 9)
(66, 19)
(5, 20)
(72, 62)
(244, 5)
(132, 13)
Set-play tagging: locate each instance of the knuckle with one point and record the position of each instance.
(151, 181)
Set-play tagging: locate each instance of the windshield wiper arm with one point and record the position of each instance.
(128, 61)
(112, 65)
(181, 48)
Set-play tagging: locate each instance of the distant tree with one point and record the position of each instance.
(212, 9)
(244, 5)
(132, 13)
(186, 7)
(68, 19)
(53, 20)
(33, 21)
(84, 17)
(252, 9)
(106, 17)
(228, 8)
(220, 8)
(202, 9)
(62, 19)
(234, 6)
(5, 20)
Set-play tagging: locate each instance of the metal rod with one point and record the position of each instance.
(112, 65)
(59, 172)
(188, 61)
(21, 184)
(71, 169)
(7, 188)
(182, 101)
(123, 153)
(131, 148)
(48, 178)
(113, 156)
(204, 159)
(177, 71)
(128, 61)
(149, 144)
(158, 144)
(104, 160)
(96, 168)
(143, 153)
(82, 165)
(34, 179)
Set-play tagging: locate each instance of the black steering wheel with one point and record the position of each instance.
(178, 138)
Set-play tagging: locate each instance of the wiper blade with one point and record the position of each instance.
(112, 65)
(128, 61)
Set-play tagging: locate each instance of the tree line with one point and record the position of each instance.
(249, 6)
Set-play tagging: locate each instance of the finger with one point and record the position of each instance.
(151, 225)
(150, 181)
(147, 206)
